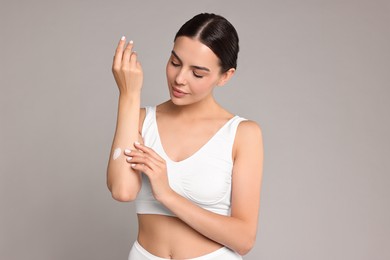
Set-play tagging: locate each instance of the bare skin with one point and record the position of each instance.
(194, 231)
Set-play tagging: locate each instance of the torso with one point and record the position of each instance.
(167, 236)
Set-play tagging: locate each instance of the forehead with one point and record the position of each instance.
(193, 52)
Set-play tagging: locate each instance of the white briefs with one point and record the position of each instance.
(139, 253)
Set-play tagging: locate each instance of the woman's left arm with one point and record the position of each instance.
(237, 231)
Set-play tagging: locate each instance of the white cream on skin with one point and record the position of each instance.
(117, 153)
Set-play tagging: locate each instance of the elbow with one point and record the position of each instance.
(244, 249)
(123, 195)
(246, 245)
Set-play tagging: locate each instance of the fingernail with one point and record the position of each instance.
(131, 42)
(129, 158)
(133, 165)
(137, 143)
(127, 151)
(123, 38)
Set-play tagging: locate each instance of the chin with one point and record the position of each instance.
(175, 100)
(178, 102)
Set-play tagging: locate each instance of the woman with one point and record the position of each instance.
(193, 168)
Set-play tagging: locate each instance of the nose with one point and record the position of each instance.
(180, 78)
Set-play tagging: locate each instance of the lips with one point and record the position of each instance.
(178, 90)
(178, 93)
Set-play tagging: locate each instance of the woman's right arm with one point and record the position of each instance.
(122, 181)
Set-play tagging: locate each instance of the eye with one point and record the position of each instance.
(197, 76)
(174, 64)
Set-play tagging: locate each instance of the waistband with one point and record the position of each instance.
(217, 254)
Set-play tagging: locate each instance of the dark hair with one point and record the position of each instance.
(217, 33)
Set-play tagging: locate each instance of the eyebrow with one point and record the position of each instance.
(193, 66)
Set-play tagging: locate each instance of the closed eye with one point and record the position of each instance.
(197, 76)
(175, 64)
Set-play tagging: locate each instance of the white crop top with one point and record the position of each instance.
(204, 178)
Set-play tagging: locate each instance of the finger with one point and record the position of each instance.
(133, 152)
(142, 168)
(119, 52)
(139, 65)
(127, 52)
(144, 159)
(133, 59)
(149, 151)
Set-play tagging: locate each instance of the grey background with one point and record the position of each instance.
(314, 75)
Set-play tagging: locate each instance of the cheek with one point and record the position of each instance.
(171, 72)
(203, 86)
(168, 70)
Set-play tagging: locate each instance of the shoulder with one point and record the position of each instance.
(249, 136)
(248, 129)
(142, 113)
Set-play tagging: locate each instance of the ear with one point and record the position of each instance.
(226, 76)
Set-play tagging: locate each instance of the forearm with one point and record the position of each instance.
(122, 180)
(126, 132)
(232, 232)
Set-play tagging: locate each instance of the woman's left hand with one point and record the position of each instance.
(146, 160)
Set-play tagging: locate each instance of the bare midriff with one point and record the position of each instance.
(169, 237)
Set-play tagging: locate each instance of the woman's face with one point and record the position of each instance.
(193, 71)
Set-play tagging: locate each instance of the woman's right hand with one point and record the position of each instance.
(127, 70)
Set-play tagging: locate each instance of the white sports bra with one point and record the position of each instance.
(204, 178)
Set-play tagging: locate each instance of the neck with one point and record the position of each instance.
(202, 109)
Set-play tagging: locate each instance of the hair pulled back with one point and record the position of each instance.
(217, 33)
